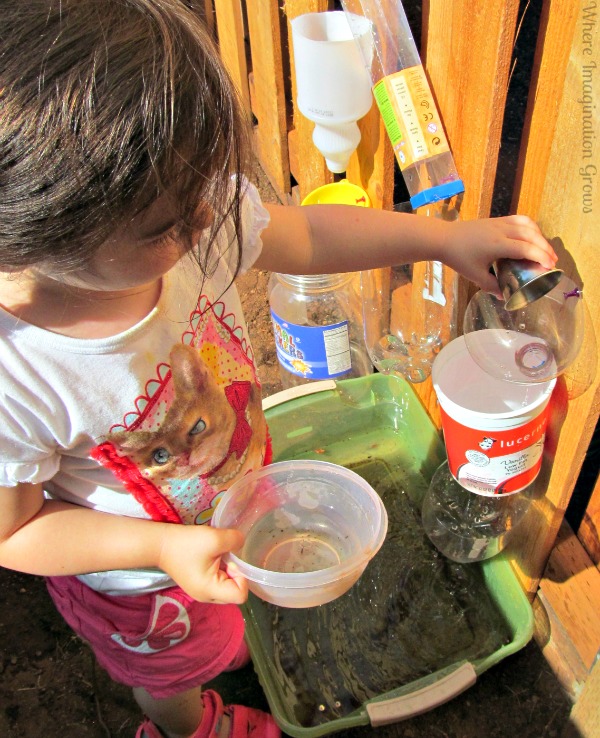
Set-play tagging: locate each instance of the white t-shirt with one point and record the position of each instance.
(61, 397)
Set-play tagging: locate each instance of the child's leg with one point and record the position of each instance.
(178, 716)
(171, 644)
(202, 713)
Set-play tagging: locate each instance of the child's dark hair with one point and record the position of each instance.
(104, 105)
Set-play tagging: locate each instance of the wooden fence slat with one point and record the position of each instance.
(571, 585)
(574, 232)
(372, 165)
(555, 38)
(585, 714)
(230, 28)
(471, 94)
(268, 92)
(206, 7)
(589, 530)
(471, 106)
(557, 648)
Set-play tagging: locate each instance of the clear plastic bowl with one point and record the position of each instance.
(311, 528)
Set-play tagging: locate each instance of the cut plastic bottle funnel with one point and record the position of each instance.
(333, 84)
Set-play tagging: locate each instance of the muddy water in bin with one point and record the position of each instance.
(411, 613)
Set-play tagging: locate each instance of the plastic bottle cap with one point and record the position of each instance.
(440, 192)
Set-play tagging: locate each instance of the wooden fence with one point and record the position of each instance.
(468, 52)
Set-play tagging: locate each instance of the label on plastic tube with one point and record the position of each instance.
(410, 116)
(312, 352)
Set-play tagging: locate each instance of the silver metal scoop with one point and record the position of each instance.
(523, 282)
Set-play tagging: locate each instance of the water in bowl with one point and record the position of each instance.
(277, 545)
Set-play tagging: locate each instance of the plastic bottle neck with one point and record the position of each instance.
(313, 281)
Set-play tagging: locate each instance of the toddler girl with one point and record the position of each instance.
(130, 400)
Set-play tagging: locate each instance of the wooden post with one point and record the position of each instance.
(470, 98)
(268, 92)
(555, 40)
(467, 51)
(372, 165)
(585, 715)
(571, 592)
(206, 7)
(589, 530)
(230, 27)
(566, 203)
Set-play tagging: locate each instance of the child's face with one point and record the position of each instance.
(137, 254)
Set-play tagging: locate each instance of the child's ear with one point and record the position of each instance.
(189, 372)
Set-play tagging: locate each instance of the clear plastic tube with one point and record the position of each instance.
(466, 526)
(407, 106)
(409, 312)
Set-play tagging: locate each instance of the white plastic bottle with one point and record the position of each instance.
(318, 328)
(466, 526)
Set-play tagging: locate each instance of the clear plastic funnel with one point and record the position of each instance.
(533, 344)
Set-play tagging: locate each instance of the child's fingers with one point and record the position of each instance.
(527, 241)
(238, 578)
(224, 589)
(522, 249)
(193, 556)
(233, 572)
(521, 224)
(227, 583)
(490, 284)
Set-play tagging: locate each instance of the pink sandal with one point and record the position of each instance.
(246, 722)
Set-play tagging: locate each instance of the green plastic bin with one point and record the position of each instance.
(375, 422)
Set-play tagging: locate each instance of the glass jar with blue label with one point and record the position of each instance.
(317, 323)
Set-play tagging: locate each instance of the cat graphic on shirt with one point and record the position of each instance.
(214, 432)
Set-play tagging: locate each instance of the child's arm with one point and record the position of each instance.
(320, 239)
(54, 538)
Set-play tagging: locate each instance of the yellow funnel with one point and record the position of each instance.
(338, 193)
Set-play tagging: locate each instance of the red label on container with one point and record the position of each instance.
(496, 461)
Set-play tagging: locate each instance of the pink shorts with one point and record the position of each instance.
(165, 641)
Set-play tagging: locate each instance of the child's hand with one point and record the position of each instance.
(471, 247)
(191, 555)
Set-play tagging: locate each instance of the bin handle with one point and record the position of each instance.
(300, 391)
(423, 700)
